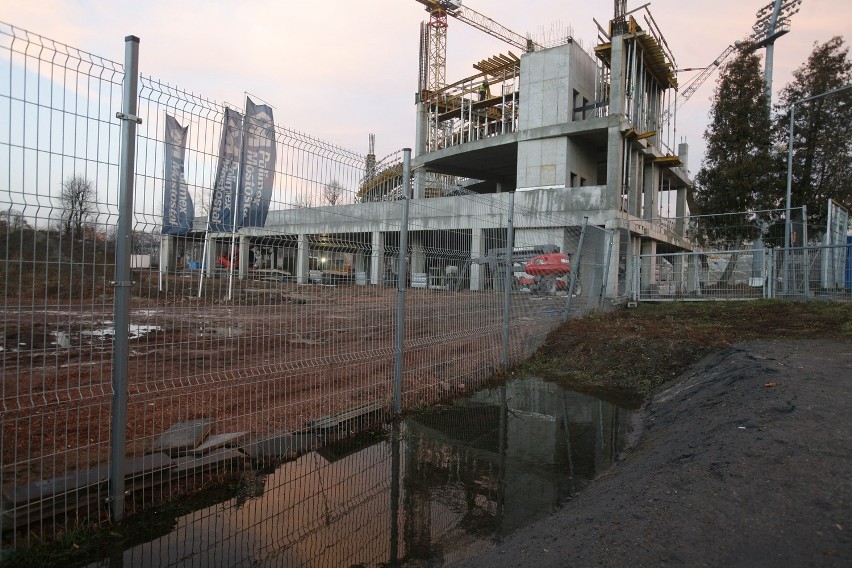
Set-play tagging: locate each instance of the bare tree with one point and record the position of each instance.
(333, 192)
(78, 203)
(12, 220)
(303, 201)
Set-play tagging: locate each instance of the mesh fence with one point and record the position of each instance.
(743, 256)
(250, 341)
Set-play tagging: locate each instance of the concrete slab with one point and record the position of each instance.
(83, 480)
(217, 441)
(282, 444)
(217, 459)
(183, 436)
(336, 420)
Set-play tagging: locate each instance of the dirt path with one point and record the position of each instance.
(745, 460)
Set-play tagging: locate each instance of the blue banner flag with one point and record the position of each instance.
(178, 210)
(223, 203)
(258, 164)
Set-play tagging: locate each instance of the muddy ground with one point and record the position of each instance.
(744, 460)
(270, 360)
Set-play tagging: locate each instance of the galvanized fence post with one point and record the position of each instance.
(122, 283)
(769, 271)
(575, 266)
(401, 280)
(606, 269)
(507, 285)
(806, 268)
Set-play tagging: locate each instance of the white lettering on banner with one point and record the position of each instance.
(174, 185)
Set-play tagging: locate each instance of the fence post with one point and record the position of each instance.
(507, 286)
(606, 269)
(575, 266)
(122, 282)
(769, 274)
(806, 269)
(400, 280)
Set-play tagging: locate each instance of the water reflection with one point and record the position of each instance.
(438, 487)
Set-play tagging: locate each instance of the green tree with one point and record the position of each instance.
(822, 147)
(737, 175)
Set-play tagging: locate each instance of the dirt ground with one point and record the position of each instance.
(744, 460)
(271, 360)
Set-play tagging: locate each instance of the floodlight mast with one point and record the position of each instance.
(773, 21)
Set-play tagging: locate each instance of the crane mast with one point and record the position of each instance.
(433, 40)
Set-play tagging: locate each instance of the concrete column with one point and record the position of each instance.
(612, 277)
(418, 254)
(648, 274)
(650, 186)
(303, 262)
(209, 263)
(679, 266)
(614, 171)
(680, 212)
(243, 264)
(167, 254)
(633, 250)
(421, 132)
(634, 182)
(615, 140)
(377, 260)
(419, 189)
(693, 275)
(421, 129)
(359, 262)
(477, 249)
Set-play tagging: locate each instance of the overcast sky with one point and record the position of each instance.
(341, 69)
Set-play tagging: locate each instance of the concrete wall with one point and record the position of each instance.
(544, 84)
(548, 81)
(533, 208)
(541, 163)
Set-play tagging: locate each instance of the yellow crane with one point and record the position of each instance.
(433, 40)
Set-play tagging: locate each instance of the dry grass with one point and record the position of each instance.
(624, 355)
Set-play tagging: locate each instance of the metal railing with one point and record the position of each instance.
(803, 273)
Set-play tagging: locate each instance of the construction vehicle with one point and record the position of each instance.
(540, 269)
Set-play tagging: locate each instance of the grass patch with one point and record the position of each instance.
(626, 354)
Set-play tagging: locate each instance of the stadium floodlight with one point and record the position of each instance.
(773, 21)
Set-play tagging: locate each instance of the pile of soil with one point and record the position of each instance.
(744, 460)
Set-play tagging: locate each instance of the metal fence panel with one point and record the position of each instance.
(246, 345)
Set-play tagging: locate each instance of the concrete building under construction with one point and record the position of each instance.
(569, 132)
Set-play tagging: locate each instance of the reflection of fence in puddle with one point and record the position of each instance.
(439, 485)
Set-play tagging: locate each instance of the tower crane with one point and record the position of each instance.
(695, 83)
(433, 40)
(773, 21)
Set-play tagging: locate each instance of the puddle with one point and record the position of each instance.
(225, 331)
(147, 313)
(435, 488)
(134, 331)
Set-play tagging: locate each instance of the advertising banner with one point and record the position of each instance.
(223, 202)
(258, 164)
(178, 210)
